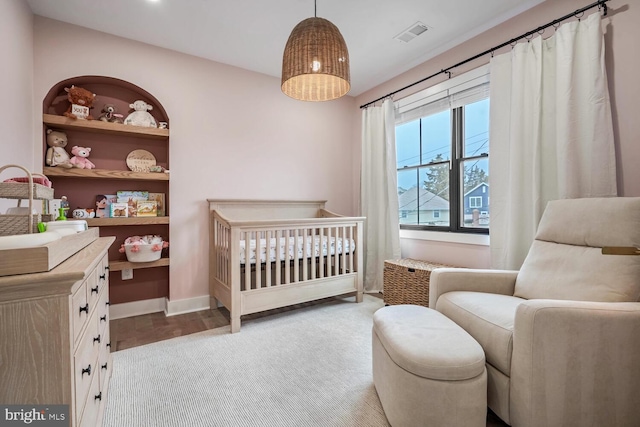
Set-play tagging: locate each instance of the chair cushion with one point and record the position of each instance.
(565, 260)
(424, 342)
(486, 317)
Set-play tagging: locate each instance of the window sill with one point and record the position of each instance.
(441, 236)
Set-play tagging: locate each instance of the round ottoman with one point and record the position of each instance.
(427, 370)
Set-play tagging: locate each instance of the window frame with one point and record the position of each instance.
(456, 164)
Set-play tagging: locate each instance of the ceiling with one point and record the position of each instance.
(251, 34)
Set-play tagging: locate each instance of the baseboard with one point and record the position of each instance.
(187, 305)
(137, 308)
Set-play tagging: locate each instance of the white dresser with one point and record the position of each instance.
(54, 336)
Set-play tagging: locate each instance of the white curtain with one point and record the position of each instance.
(379, 192)
(551, 132)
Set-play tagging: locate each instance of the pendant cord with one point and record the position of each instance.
(315, 8)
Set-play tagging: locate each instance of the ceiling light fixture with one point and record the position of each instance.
(315, 64)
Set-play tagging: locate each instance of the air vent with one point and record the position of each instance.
(412, 32)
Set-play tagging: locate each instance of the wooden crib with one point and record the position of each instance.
(270, 254)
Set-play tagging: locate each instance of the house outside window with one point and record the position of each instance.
(442, 151)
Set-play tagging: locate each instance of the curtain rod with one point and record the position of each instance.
(600, 4)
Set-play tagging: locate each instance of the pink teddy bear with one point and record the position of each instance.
(80, 158)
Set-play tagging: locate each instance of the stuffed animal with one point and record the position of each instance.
(56, 154)
(141, 115)
(81, 102)
(80, 158)
(109, 114)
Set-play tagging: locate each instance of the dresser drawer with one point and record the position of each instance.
(94, 286)
(86, 363)
(93, 403)
(79, 310)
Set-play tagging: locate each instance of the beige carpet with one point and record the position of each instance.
(305, 367)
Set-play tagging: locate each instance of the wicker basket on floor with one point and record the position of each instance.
(23, 224)
(406, 281)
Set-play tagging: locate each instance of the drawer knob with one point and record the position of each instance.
(98, 396)
(96, 339)
(104, 366)
(103, 277)
(106, 268)
(86, 371)
(94, 290)
(85, 308)
(107, 303)
(103, 318)
(109, 344)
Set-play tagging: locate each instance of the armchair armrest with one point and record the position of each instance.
(444, 280)
(575, 360)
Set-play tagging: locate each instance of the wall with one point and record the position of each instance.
(622, 34)
(16, 85)
(233, 134)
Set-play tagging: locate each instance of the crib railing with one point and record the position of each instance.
(263, 254)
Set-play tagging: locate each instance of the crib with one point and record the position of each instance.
(271, 254)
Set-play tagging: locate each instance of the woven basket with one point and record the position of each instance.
(406, 281)
(23, 224)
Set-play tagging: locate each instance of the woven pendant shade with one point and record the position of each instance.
(315, 65)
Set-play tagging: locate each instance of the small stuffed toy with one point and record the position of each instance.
(141, 115)
(81, 102)
(56, 154)
(80, 158)
(109, 114)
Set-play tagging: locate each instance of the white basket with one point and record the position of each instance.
(143, 252)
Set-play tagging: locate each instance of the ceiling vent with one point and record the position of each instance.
(412, 32)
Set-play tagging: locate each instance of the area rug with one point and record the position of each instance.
(305, 367)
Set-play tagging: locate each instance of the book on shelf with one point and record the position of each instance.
(147, 208)
(159, 199)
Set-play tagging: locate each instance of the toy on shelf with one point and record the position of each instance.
(141, 116)
(143, 248)
(81, 102)
(62, 210)
(109, 114)
(80, 158)
(56, 154)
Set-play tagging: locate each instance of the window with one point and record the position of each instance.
(442, 144)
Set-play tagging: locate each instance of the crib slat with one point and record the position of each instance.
(278, 258)
(268, 259)
(296, 257)
(350, 237)
(321, 257)
(329, 257)
(247, 260)
(343, 255)
(305, 258)
(313, 264)
(287, 257)
(258, 259)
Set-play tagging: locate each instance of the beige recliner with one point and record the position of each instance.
(562, 335)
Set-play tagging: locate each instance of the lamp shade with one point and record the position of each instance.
(315, 64)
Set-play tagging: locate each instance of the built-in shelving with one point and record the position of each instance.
(105, 174)
(117, 222)
(126, 265)
(98, 126)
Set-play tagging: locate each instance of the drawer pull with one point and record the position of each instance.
(103, 318)
(98, 396)
(85, 308)
(106, 268)
(96, 339)
(86, 371)
(94, 290)
(109, 344)
(103, 276)
(104, 366)
(107, 303)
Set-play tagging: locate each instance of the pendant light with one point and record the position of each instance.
(315, 64)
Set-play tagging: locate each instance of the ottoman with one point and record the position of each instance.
(427, 370)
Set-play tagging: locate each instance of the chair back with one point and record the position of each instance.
(566, 261)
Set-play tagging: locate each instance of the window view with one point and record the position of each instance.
(443, 169)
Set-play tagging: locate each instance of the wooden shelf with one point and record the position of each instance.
(97, 126)
(116, 222)
(104, 174)
(124, 265)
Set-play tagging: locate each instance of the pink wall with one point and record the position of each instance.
(622, 35)
(233, 133)
(16, 85)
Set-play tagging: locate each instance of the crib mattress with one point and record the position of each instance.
(329, 247)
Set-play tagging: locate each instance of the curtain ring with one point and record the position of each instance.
(555, 25)
(579, 15)
(541, 31)
(528, 37)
